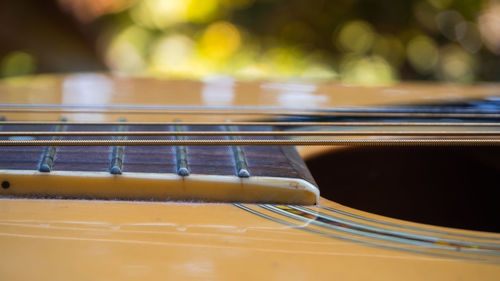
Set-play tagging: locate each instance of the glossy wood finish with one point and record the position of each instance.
(100, 89)
(81, 240)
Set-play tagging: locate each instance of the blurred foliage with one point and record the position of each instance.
(366, 42)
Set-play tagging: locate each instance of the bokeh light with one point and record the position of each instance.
(127, 49)
(456, 64)
(219, 41)
(469, 37)
(447, 22)
(89, 10)
(17, 64)
(201, 11)
(355, 42)
(161, 14)
(356, 36)
(173, 55)
(423, 54)
(368, 71)
(489, 22)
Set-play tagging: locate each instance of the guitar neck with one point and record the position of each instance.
(115, 169)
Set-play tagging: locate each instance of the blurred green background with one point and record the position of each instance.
(365, 42)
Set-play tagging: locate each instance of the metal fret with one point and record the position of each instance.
(49, 153)
(181, 154)
(239, 156)
(117, 153)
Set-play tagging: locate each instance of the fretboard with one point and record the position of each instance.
(246, 163)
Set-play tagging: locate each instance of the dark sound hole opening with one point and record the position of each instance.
(453, 186)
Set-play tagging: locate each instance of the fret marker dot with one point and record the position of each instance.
(5, 184)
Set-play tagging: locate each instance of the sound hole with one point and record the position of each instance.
(454, 186)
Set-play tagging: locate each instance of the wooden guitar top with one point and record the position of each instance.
(61, 239)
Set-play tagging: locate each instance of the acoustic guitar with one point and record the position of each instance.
(113, 178)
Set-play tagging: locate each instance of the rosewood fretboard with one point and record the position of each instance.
(268, 161)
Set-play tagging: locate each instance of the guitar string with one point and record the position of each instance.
(263, 112)
(439, 134)
(259, 123)
(427, 108)
(295, 142)
(437, 137)
(249, 133)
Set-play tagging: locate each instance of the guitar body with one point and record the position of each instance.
(61, 239)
